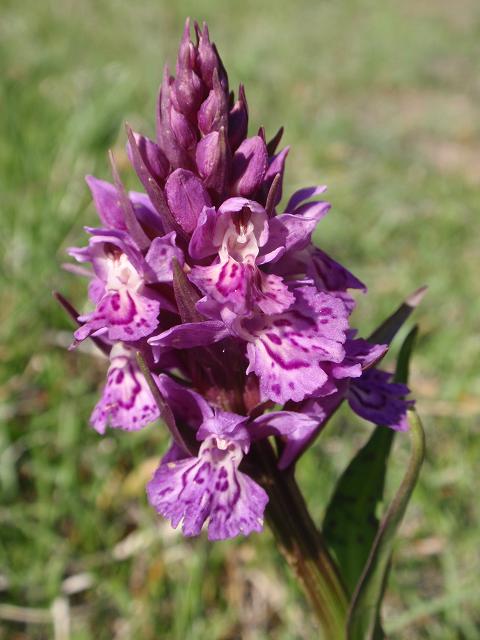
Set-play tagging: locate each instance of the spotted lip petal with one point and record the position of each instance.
(209, 486)
(121, 315)
(291, 352)
(126, 401)
(243, 287)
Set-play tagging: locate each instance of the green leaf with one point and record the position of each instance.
(350, 523)
(385, 333)
(184, 438)
(363, 617)
(186, 296)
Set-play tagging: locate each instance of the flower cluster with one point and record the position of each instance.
(243, 322)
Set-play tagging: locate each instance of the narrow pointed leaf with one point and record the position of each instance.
(131, 222)
(152, 187)
(73, 313)
(166, 413)
(274, 142)
(385, 333)
(350, 523)
(272, 195)
(363, 615)
(186, 296)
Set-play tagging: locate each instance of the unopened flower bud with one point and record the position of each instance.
(209, 60)
(167, 139)
(238, 120)
(213, 113)
(184, 132)
(186, 197)
(248, 166)
(213, 160)
(152, 156)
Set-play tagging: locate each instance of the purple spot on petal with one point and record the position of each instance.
(115, 302)
(282, 323)
(274, 338)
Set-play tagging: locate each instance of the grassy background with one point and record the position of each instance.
(380, 101)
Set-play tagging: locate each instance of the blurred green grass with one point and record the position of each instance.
(380, 102)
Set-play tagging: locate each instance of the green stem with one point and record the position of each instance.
(302, 545)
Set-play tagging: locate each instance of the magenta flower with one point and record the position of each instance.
(227, 299)
(127, 402)
(207, 486)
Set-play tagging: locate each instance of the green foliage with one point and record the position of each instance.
(351, 520)
(363, 620)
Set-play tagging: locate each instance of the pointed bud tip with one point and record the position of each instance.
(414, 299)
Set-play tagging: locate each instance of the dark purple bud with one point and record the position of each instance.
(274, 142)
(213, 113)
(167, 140)
(209, 60)
(152, 156)
(186, 52)
(213, 160)
(249, 166)
(183, 130)
(238, 120)
(150, 183)
(188, 91)
(186, 197)
(276, 166)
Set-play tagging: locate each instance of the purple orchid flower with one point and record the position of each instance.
(126, 307)
(216, 287)
(208, 486)
(237, 233)
(127, 402)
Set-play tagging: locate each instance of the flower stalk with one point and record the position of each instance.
(302, 545)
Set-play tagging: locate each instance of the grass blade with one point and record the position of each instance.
(362, 621)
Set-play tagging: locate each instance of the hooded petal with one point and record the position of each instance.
(159, 258)
(375, 398)
(295, 429)
(204, 242)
